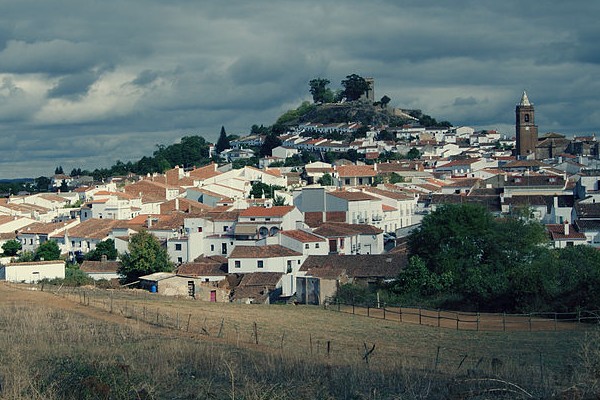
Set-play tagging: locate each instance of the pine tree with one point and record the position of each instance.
(223, 142)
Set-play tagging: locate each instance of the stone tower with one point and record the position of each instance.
(527, 131)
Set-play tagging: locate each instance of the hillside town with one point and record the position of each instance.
(312, 227)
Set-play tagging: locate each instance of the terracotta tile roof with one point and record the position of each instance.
(169, 222)
(268, 251)
(41, 228)
(256, 286)
(357, 266)
(352, 196)
(92, 229)
(389, 194)
(339, 229)
(346, 171)
(588, 210)
(303, 236)
(385, 208)
(454, 163)
(205, 172)
(207, 267)
(53, 197)
(100, 266)
(535, 180)
(557, 232)
(275, 211)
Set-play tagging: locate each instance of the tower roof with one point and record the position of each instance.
(524, 100)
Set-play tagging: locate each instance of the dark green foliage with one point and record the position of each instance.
(106, 247)
(145, 256)
(260, 189)
(58, 170)
(26, 256)
(325, 180)
(279, 201)
(413, 154)
(11, 247)
(243, 162)
(47, 251)
(42, 184)
(354, 87)
(320, 92)
(223, 142)
(385, 135)
(271, 141)
(395, 178)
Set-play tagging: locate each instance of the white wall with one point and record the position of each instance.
(34, 271)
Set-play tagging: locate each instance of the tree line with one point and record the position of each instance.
(464, 258)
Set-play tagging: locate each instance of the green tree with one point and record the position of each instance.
(385, 100)
(42, 184)
(59, 170)
(47, 251)
(395, 178)
(223, 142)
(26, 256)
(271, 141)
(354, 87)
(104, 248)
(325, 180)
(279, 201)
(145, 256)
(11, 247)
(413, 154)
(319, 90)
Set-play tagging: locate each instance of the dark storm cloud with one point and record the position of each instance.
(83, 84)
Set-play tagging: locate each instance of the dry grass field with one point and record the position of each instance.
(93, 344)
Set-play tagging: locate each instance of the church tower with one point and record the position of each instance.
(527, 131)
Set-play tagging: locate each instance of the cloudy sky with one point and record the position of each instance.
(86, 83)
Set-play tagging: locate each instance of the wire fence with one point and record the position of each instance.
(473, 321)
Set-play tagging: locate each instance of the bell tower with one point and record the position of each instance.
(526, 129)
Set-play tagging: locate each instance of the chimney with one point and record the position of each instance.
(177, 204)
(149, 221)
(103, 258)
(566, 226)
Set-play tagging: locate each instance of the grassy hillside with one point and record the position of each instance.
(55, 347)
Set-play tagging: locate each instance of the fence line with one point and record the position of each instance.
(460, 320)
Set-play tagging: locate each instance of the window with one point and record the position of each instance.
(253, 219)
(199, 229)
(178, 246)
(526, 117)
(179, 260)
(306, 246)
(225, 228)
(267, 219)
(212, 247)
(316, 245)
(341, 243)
(259, 264)
(238, 263)
(346, 181)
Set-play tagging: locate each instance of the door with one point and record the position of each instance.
(333, 245)
(213, 296)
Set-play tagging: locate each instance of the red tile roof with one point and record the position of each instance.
(302, 236)
(275, 211)
(346, 171)
(268, 251)
(352, 196)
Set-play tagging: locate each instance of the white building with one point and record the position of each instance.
(32, 272)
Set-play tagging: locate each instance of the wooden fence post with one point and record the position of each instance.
(419, 315)
(383, 310)
(456, 320)
(503, 322)
(438, 317)
(478, 320)
(555, 322)
(368, 313)
(529, 322)
(255, 332)
(400, 312)
(187, 329)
